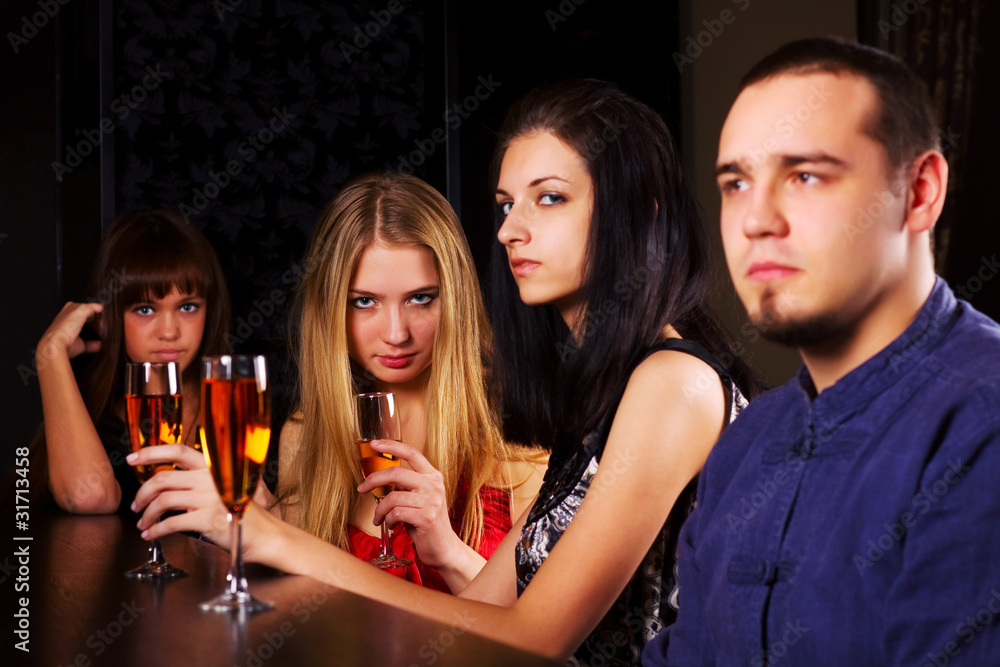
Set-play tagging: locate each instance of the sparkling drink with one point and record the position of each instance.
(372, 461)
(379, 420)
(153, 410)
(153, 420)
(236, 429)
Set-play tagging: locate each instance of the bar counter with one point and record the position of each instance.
(83, 610)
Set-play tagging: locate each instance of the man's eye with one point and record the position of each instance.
(733, 185)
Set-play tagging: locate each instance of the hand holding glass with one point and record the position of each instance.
(378, 420)
(153, 409)
(236, 429)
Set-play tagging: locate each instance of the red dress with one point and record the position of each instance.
(496, 524)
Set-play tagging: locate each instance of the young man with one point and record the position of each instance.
(852, 516)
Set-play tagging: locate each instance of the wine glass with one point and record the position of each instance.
(378, 420)
(235, 431)
(155, 416)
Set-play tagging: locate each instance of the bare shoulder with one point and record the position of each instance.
(679, 379)
(291, 437)
(672, 412)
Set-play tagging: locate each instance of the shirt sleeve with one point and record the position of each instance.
(944, 606)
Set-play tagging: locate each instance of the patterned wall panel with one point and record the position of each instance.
(248, 117)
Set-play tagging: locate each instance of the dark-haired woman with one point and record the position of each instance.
(159, 296)
(603, 259)
(607, 356)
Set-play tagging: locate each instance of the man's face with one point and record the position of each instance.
(812, 223)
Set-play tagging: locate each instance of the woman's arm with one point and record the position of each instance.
(420, 502)
(668, 420)
(81, 477)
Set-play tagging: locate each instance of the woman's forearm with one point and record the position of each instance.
(81, 477)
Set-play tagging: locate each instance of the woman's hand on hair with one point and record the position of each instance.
(63, 335)
(189, 489)
(419, 501)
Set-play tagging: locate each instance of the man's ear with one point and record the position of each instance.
(927, 186)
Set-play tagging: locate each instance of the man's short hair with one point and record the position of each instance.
(904, 122)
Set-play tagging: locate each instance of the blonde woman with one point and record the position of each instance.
(611, 359)
(391, 302)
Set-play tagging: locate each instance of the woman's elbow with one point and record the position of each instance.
(90, 499)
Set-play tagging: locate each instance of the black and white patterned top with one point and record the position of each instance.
(649, 601)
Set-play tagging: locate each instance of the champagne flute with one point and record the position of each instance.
(153, 410)
(235, 431)
(378, 420)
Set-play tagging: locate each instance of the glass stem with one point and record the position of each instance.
(156, 553)
(383, 550)
(236, 580)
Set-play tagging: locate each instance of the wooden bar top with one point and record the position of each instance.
(83, 610)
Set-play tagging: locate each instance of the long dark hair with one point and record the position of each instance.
(646, 267)
(144, 255)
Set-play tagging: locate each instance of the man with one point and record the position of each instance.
(852, 516)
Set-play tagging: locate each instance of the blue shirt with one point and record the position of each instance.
(860, 526)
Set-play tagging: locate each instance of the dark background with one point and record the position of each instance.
(360, 86)
(226, 66)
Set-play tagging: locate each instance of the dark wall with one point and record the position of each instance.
(249, 116)
(973, 235)
(28, 241)
(525, 43)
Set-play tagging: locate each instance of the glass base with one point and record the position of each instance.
(389, 561)
(150, 570)
(242, 602)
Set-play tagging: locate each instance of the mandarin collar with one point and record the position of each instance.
(872, 378)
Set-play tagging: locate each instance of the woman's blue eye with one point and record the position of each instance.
(422, 299)
(505, 207)
(549, 199)
(363, 302)
(189, 308)
(143, 310)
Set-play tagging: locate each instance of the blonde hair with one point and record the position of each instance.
(463, 433)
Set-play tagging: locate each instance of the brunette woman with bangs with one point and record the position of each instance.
(159, 295)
